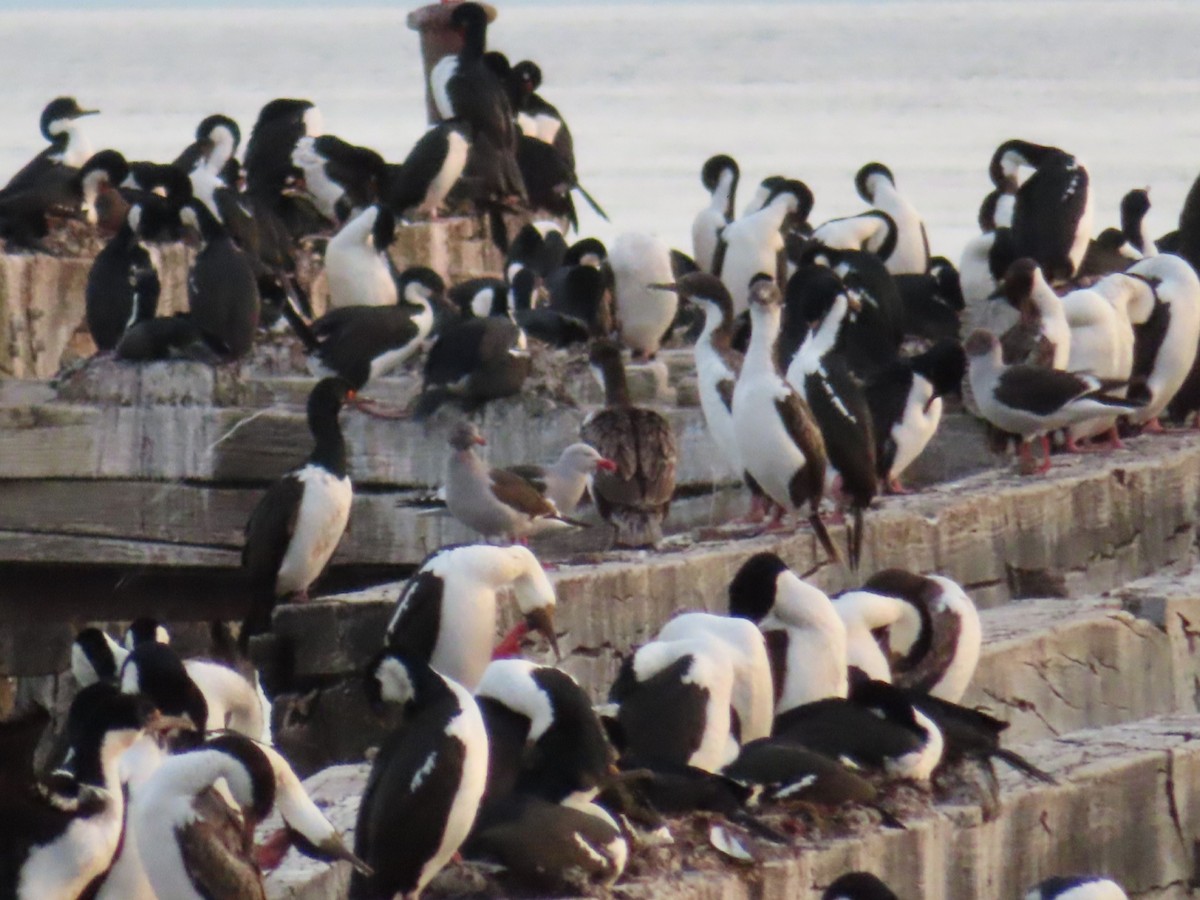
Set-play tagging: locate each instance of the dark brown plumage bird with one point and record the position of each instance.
(637, 496)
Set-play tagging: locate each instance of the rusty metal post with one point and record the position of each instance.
(438, 40)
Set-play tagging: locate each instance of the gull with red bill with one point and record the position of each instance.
(504, 503)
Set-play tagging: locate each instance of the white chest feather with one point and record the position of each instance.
(753, 246)
(357, 273)
(154, 822)
(204, 187)
(546, 128)
(445, 69)
(78, 149)
(645, 313)
(910, 255)
(919, 764)
(716, 748)
(467, 633)
(766, 447)
(449, 173)
(816, 666)
(467, 727)
(1100, 343)
(66, 866)
(711, 371)
(233, 702)
(1056, 330)
(527, 124)
(127, 879)
(324, 512)
(324, 191)
(863, 652)
(922, 414)
(975, 276)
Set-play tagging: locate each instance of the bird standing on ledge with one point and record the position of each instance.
(635, 498)
(299, 522)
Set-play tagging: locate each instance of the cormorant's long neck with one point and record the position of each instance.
(616, 388)
(474, 42)
(718, 328)
(723, 194)
(330, 449)
(764, 330)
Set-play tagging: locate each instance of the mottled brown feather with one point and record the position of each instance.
(642, 444)
(217, 854)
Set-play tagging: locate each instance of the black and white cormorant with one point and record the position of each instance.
(299, 522)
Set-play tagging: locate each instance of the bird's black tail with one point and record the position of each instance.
(591, 201)
(1021, 764)
(823, 536)
(855, 538)
(291, 312)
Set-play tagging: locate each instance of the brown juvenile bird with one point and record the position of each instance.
(637, 496)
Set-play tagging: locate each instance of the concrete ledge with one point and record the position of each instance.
(1128, 806)
(1052, 666)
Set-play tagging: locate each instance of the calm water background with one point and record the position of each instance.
(807, 89)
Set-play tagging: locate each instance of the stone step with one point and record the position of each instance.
(1127, 806)
(1049, 667)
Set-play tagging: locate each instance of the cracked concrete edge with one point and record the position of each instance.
(1084, 664)
(1127, 806)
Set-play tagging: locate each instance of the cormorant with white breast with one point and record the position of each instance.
(820, 371)
(780, 444)
(57, 837)
(446, 612)
(426, 782)
(299, 522)
(465, 88)
(363, 342)
(122, 285)
(46, 185)
(720, 178)
(876, 185)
